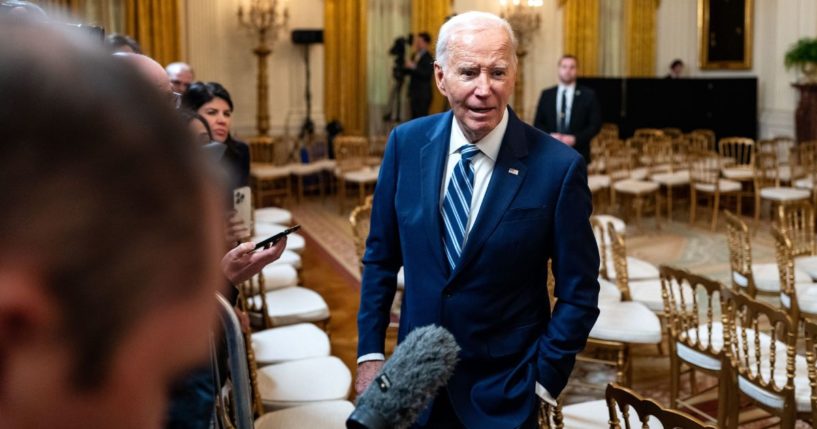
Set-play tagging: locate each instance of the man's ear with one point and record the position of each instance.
(27, 312)
(438, 76)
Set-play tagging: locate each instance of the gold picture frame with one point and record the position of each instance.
(725, 29)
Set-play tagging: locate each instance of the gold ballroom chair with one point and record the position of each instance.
(269, 174)
(704, 178)
(767, 185)
(797, 221)
(800, 299)
(353, 167)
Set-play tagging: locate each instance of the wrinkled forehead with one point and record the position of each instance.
(484, 45)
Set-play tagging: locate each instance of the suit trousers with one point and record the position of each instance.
(444, 417)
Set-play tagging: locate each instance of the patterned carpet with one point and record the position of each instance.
(676, 244)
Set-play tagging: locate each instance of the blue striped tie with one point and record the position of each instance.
(457, 204)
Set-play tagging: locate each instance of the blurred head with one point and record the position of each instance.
(422, 41)
(181, 76)
(122, 43)
(676, 68)
(111, 238)
(568, 69)
(198, 126)
(153, 72)
(476, 70)
(213, 103)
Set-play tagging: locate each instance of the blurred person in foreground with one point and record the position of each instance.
(472, 203)
(111, 243)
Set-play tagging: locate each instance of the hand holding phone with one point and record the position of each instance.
(275, 238)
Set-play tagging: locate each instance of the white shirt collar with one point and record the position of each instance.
(489, 145)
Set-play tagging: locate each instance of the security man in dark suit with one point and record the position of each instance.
(569, 112)
(421, 70)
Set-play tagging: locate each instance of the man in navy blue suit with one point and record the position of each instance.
(473, 202)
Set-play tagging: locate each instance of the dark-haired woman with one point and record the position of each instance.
(213, 103)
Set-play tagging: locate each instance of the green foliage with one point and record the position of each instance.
(804, 51)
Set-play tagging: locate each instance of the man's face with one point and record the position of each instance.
(180, 79)
(478, 79)
(165, 342)
(567, 71)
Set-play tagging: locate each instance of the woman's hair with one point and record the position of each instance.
(201, 93)
(190, 115)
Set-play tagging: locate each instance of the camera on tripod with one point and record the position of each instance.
(398, 51)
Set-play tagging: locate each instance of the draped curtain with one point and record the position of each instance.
(640, 38)
(581, 34)
(155, 25)
(612, 52)
(345, 74)
(110, 14)
(428, 16)
(388, 20)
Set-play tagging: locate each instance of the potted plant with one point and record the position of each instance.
(804, 55)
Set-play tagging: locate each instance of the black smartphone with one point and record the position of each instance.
(275, 238)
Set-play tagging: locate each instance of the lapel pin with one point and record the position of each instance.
(513, 171)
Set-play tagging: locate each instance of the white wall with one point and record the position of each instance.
(777, 24)
(221, 50)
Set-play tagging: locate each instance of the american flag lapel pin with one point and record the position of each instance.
(513, 171)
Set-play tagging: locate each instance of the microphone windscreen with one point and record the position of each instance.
(410, 379)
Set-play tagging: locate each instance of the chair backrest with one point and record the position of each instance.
(360, 220)
(253, 300)
(737, 151)
(550, 417)
(785, 266)
(760, 347)
(317, 147)
(739, 240)
(350, 152)
(648, 133)
(619, 251)
(783, 145)
(621, 399)
(692, 306)
(810, 333)
(609, 130)
(262, 151)
(709, 135)
(767, 174)
(704, 167)
(242, 404)
(702, 141)
(600, 232)
(797, 220)
(657, 155)
(377, 145)
(672, 133)
(618, 160)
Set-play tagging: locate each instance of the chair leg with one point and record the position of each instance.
(669, 204)
(715, 208)
(639, 203)
(675, 375)
(693, 205)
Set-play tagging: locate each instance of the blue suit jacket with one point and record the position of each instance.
(495, 302)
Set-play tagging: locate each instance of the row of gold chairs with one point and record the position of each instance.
(278, 162)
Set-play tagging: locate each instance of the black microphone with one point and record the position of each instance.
(419, 367)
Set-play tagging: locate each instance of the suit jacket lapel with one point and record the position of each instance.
(432, 165)
(501, 191)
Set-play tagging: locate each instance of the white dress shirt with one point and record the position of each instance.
(571, 90)
(483, 163)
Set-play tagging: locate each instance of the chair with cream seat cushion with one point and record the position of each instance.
(797, 221)
(270, 180)
(287, 343)
(799, 298)
(763, 279)
(278, 276)
(323, 415)
(704, 178)
(273, 215)
(767, 184)
(280, 307)
(691, 305)
(760, 346)
(637, 269)
(288, 257)
(301, 382)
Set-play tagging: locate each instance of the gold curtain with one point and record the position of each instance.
(640, 37)
(345, 69)
(581, 33)
(155, 25)
(428, 16)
